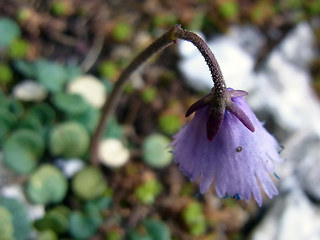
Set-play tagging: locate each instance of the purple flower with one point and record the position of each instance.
(233, 149)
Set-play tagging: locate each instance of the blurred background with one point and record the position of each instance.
(58, 63)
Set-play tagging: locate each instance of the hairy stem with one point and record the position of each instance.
(168, 38)
(206, 52)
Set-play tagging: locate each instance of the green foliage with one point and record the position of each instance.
(155, 151)
(47, 185)
(169, 123)
(59, 8)
(9, 31)
(114, 129)
(69, 139)
(25, 68)
(7, 121)
(108, 69)
(82, 225)
(22, 150)
(150, 230)
(148, 191)
(47, 235)
(13, 105)
(56, 219)
(194, 218)
(73, 70)
(197, 22)
(122, 31)
(89, 183)
(51, 75)
(70, 103)
(89, 119)
(229, 9)
(136, 235)
(18, 49)
(6, 225)
(149, 94)
(157, 229)
(113, 235)
(43, 112)
(6, 74)
(313, 7)
(20, 219)
(31, 122)
(165, 20)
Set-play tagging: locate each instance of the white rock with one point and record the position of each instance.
(303, 157)
(235, 63)
(283, 89)
(29, 90)
(15, 191)
(90, 88)
(112, 153)
(298, 46)
(248, 37)
(70, 166)
(292, 217)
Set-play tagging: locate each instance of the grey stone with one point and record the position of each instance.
(292, 217)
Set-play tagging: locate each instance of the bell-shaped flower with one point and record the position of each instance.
(227, 145)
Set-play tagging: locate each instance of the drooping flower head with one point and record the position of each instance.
(227, 144)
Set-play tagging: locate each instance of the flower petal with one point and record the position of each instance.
(237, 159)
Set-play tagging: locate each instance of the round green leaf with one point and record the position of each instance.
(52, 75)
(170, 123)
(47, 185)
(53, 220)
(158, 230)
(7, 119)
(135, 235)
(28, 139)
(155, 151)
(27, 69)
(194, 218)
(73, 70)
(18, 48)
(47, 235)
(31, 122)
(22, 150)
(6, 74)
(81, 226)
(14, 106)
(70, 103)
(89, 183)
(114, 129)
(89, 119)
(6, 224)
(43, 112)
(148, 191)
(18, 159)
(122, 31)
(9, 31)
(19, 215)
(68, 140)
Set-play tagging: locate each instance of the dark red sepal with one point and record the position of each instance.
(199, 104)
(214, 121)
(236, 111)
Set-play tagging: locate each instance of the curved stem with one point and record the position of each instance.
(208, 55)
(165, 40)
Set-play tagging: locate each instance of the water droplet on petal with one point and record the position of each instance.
(239, 149)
